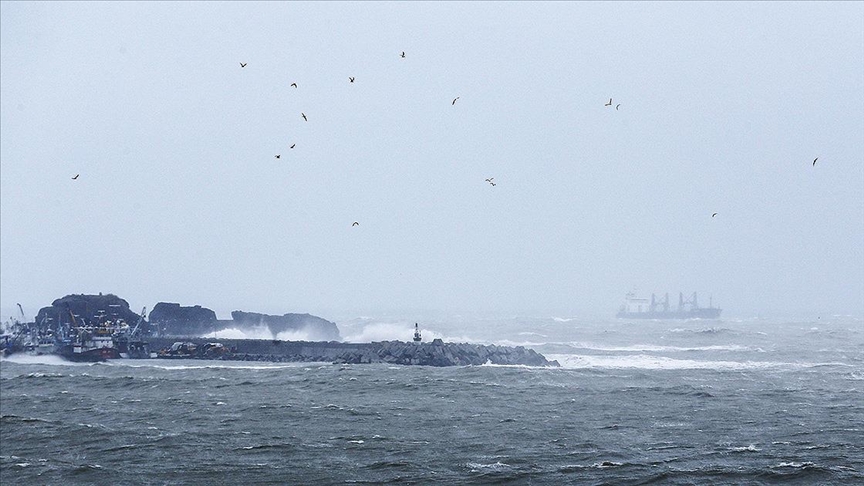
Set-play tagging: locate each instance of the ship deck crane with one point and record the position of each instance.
(138, 324)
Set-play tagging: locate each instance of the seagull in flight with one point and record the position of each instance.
(304, 116)
(454, 100)
(293, 145)
(278, 156)
(610, 102)
(490, 179)
(403, 54)
(351, 78)
(814, 161)
(715, 214)
(76, 176)
(243, 64)
(294, 84)
(616, 106)
(355, 224)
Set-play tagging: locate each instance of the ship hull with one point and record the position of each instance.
(707, 313)
(90, 355)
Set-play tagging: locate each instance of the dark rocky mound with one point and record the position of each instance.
(175, 320)
(315, 327)
(87, 309)
(172, 319)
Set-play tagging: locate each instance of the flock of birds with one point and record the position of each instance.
(351, 80)
(490, 180)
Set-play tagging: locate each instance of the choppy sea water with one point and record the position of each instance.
(692, 402)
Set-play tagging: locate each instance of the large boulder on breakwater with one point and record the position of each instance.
(86, 309)
(312, 327)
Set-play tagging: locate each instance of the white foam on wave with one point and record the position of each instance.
(235, 365)
(44, 359)
(706, 330)
(260, 332)
(627, 348)
(476, 466)
(513, 344)
(855, 376)
(646, 361)
(658, 348)
(382, 331)
(529, 333)
(391, 331)
(792, 464)
(749, 448)
(489, 364)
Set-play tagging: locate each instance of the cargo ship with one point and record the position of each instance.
(654, 308)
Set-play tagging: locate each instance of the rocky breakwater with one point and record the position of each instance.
(439, 353)
(436, 353)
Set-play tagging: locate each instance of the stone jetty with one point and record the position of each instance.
(436, 353)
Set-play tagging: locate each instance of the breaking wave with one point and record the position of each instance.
(631, 347)
(204, 365)
(658, 348)
(645, 361)
(381, 331)
(260, 332)
(44, 359)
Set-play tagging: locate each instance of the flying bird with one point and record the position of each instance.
(490, 179)
(76, 176)
(454, 100)
(403, 54)
(355, 224)
(304, 116)
(814, 161)
(715, 214)
(610, 102)
(616, 106)
(294, 84)
(278, 156)
(351, 78)
(292, 145)
(243, 64)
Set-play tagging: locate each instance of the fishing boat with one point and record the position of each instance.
(91, 343)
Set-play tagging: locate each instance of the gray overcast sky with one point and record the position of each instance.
(180, 198)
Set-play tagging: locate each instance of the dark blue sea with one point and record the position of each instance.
(749, 401)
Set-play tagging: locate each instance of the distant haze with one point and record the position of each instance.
(180, 198)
